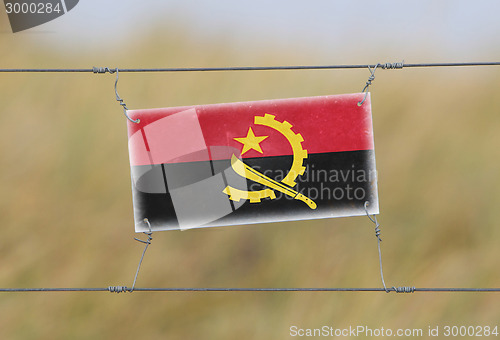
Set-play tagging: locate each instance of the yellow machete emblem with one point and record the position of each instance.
(286, 185)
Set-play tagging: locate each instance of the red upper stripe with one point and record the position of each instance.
(327, 124)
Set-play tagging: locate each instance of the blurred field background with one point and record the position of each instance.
(66, 208)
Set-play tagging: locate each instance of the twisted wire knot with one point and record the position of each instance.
(385, 66)
(392, 66)
(369, 81)
(103, 70)
(118, 289)
(403, 289)
(378, 232)
(374, 221)
(118, 99)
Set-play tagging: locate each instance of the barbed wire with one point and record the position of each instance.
(120, 289)
(398, 65)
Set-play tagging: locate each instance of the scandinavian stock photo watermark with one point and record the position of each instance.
(333, 184)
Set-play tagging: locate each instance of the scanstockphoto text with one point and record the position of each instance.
(431, 331)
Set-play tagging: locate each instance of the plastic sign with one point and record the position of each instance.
(252, 162)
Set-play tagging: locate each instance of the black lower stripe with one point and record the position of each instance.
(339, 183)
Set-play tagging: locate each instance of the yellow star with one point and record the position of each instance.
(251, 141)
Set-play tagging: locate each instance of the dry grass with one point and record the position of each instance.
(66, 212)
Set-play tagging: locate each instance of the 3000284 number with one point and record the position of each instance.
(463, 331)
(32, 8)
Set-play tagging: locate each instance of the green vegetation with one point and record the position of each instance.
(66, 210)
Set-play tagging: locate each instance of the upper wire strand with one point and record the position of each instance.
(249, 68)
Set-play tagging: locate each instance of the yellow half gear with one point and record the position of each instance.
(295, 141)
(297, 168)
(253, 196)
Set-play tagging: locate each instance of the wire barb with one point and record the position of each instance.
(104, 70)
(393, 66)
(118, 289)
(404, 289)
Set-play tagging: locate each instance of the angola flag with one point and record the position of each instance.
(252, 162)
